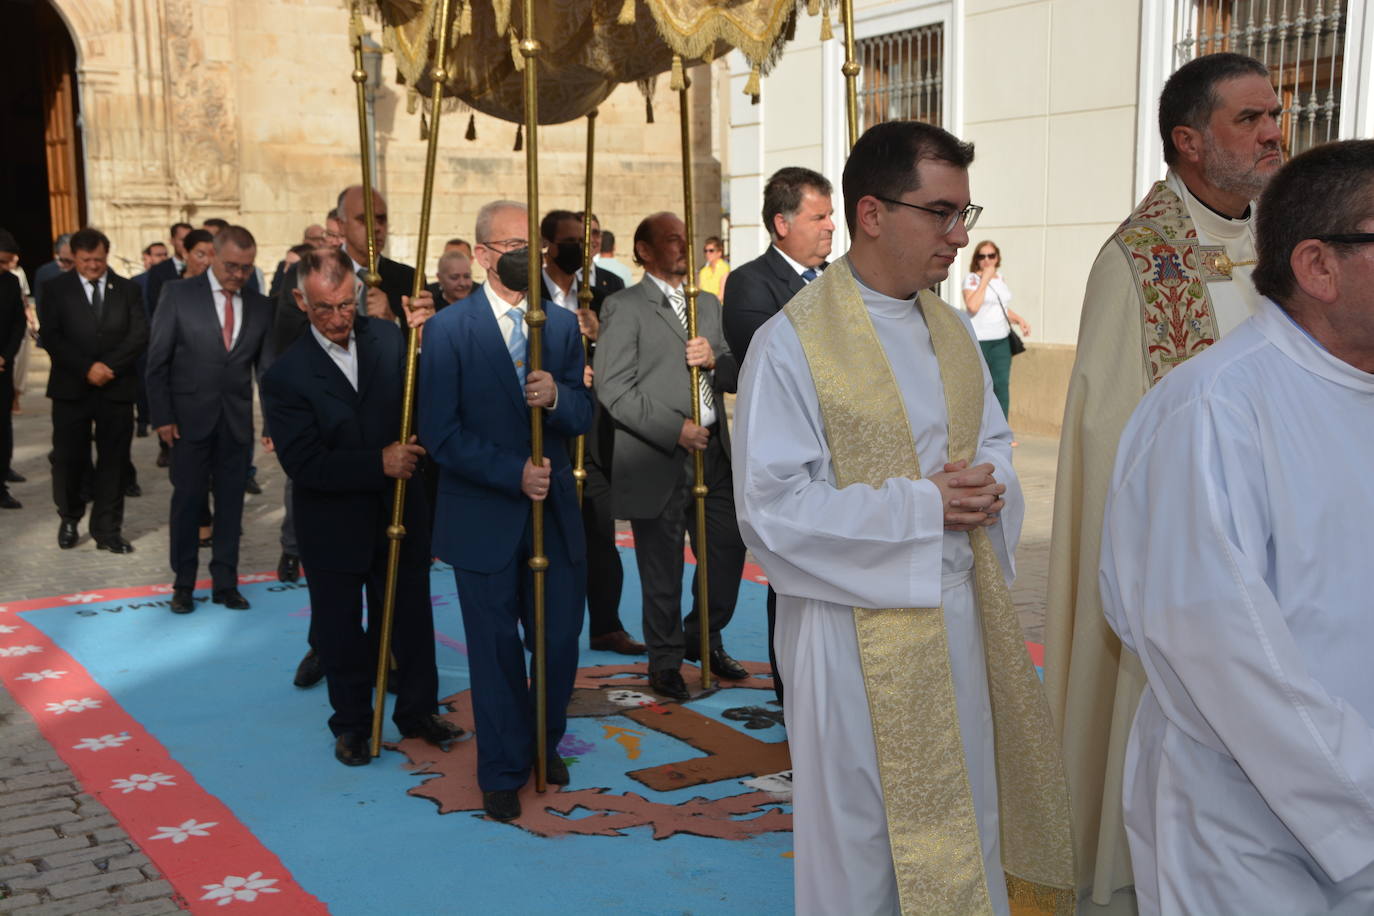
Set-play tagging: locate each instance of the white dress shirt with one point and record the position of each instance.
(346, 358)
(561, 299)
(89, 285)
(799, 268)
(217, 294)
(708, 412)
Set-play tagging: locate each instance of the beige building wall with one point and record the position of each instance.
(245, 109)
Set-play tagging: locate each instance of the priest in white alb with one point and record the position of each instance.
(1235, 560)
(874, 484)
(1170, 281)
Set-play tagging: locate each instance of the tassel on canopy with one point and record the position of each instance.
(472, 128)
(519, 137)
(627, 13)
(679, 79)
(753, 87)
(826, 33)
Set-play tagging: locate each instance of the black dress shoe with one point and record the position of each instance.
(66, 534)
(207, 542)
(142, 431)
(437, 731)
(133, 491)
(351, 750)
(115, 544)
(723, 666)
(501, 806)
(557, 771)
(288, 568)
(670, 684)
(9, 502)
(619, 641)
(230, 598)
(13, 476)
(182, 600)
(310, 671)
(252, 487)
(164, 457)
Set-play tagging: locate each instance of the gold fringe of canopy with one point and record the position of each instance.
(591, 46)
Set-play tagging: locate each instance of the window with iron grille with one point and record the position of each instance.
(902, 76)
(1301, 41)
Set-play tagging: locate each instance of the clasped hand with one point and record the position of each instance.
(971, 497)
(399, 461)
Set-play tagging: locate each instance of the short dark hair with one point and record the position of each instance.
(607, 241)
(234, 235)
(300, 250)
(1190, 94)
(89, 239)
(713, 240)
(884, 161)
(216, 222)
(152, 245)
(195, 237)
(7, 242)
(172, 233)
(782, 195)
(1327, 190)
(548, 226)
(457, 241)
(330, 263)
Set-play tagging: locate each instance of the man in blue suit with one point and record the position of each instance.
(475, 396)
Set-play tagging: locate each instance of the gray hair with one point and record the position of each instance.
(453, 254)
(488, 212)
(237, 236)
(330, 264)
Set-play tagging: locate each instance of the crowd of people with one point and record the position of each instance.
(1222, 763)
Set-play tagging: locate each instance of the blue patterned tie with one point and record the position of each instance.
(810, 274)
(516, 343)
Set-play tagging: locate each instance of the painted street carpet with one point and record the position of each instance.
(188, 729)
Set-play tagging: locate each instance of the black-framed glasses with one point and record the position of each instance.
(341, 308)
(505, 245)
(1347, 238)
(969, 215)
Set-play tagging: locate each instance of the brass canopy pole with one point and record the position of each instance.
(396, 531)
(850, 69)
(584, 294)
(530, 49)
(371, 277)
(690, 290)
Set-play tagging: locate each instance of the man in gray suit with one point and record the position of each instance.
(209, 335)
(642, 380)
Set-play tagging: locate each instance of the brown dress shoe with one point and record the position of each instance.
(619, 641)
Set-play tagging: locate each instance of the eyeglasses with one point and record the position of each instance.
(968, 215)
(343, 308)
(505, 245)
(1347, 238)
(231, 268)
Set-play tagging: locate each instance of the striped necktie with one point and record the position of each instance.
(679, 303)
(516, 343)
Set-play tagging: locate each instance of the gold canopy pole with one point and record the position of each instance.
(850, 69)
(396, 531)
(584, 294)
(371, 277)
(690, 289)
(530, 49)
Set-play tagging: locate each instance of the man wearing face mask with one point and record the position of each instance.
(476, 392)
(562, 234)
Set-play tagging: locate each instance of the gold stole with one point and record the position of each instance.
(904, 651)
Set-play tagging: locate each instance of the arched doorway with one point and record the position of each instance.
(42, 187)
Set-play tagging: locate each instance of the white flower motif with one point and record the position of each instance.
(4, 609)
(146, 782)
(83, 597)
(162, 589)
(184, 831)
(15, 651)
(80, 705)
(257, 577)
(47, 674)
(235, 888)
(101, 743)
(8, 629)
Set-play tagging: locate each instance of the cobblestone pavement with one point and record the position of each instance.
(60, 850)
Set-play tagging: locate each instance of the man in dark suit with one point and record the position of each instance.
(798, 212)
(642, 380)
(61, 263)
(561, 233)
(168, 270)
(94, 328)
(475, 396)
(334, 400)
(209, 335)
(12, 328)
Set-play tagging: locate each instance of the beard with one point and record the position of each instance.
(1235, 174)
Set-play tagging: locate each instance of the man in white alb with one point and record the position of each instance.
(1235, 550)
(1172, 279)
(875, 487)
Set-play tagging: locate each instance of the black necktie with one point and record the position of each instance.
(96, 303)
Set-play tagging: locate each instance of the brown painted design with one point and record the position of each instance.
(730, 754)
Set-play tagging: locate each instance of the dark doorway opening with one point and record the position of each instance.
(42, 187)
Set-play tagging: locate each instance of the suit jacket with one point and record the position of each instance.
(601, 442)
(643, 381)
(192, 380)
(397, 281)
(756, 292)
(75, 339)
(158, 276)
(48, 271)
(12, 323)
(475, 423)
(329, 439)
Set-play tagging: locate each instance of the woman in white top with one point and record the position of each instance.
(986, 296)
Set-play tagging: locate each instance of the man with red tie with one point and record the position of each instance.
(209, 335)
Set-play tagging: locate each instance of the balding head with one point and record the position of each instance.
(353, 216)
(661, 247)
